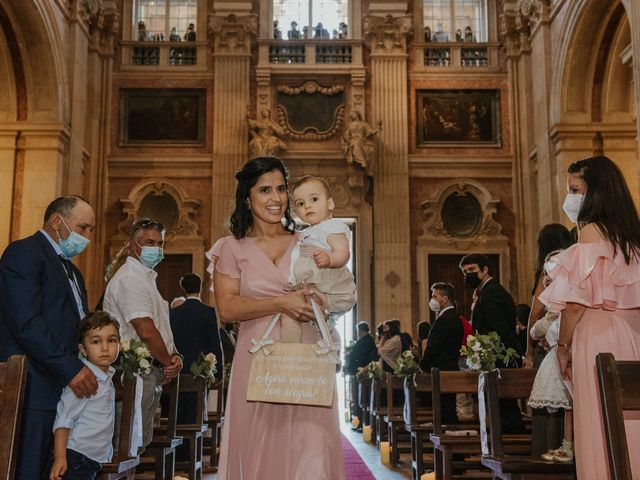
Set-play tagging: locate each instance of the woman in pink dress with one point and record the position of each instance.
(250, 271)
(596, 286)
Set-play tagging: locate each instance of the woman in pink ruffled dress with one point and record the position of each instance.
(596, 286)
(250, 269)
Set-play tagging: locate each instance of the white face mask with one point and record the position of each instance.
(572, 204)
(434, 305)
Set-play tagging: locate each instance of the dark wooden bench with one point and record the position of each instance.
(394, 417)
(619, 383)
(513, 384)
(161, 453)
(364, 401)
(214, 420)
(417, 421)
(376, 411)
(13, 381)
(446, 445)
(123, 464)
(192, 433)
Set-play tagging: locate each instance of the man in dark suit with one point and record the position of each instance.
(362, 354)
(443, 342)
(494, 311)
(364, 351)
(42, 302)
(194, 325)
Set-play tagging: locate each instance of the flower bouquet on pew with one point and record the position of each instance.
(484, 351)
(205, 367)
(373, 371)
(406, 365)
(135, 358)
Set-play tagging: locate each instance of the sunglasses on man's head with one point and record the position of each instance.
(145, 224)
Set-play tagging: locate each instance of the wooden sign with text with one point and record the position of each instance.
(292, 373)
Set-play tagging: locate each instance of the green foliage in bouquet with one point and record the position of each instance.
(135, 358)
(484, 351)
(406, 365)
(226, 372)
(205, 367)
(372, 371)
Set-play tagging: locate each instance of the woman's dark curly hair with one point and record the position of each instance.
(241, 219)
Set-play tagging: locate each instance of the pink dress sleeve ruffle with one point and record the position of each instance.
(589, 274)
(222, 259)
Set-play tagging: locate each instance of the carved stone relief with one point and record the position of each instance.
(388, 34)
(434, 226)
(232, 34)
(306, 125)
(187, 207)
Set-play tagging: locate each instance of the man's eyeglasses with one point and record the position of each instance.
(146, 224)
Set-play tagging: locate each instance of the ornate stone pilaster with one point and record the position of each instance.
(633, 13)
(231, 95)
(387, 38)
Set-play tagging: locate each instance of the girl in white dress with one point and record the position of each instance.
(321, 254)
(549, 389)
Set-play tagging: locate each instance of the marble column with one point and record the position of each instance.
(387, 38)
(8, 151)
(633, 13)
(231, 98)
(514, 31)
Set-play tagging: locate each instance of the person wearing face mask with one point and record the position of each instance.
(494, 311)
(596, 288)
(132, 297)
(445, 336)
(42, 302)
(443, 342)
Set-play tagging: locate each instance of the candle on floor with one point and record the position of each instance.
(366, 433)
(355, 421)
(385, 453)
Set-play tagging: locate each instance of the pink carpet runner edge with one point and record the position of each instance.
(354, 466)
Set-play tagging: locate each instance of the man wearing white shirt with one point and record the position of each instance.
(132, 297)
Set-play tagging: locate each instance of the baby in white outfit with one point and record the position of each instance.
(321, 254)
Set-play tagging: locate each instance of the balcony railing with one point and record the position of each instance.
(457, 55)
(163, 54)
(310, 52)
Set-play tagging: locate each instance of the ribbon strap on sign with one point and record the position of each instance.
(482, 385)
(262, 344)
(325, 345)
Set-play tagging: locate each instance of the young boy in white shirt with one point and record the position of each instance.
(83, 429)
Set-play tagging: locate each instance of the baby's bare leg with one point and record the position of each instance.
(290, 330)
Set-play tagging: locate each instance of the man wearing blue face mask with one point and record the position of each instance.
(132, 297)
(43, 299)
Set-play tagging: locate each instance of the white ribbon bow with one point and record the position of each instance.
(262, 344)
(329, 348)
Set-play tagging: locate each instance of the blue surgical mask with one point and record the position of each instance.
(74, 244)
(150, 256)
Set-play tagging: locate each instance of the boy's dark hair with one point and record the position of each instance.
(475, 258)
(93, 320)
(191, 283)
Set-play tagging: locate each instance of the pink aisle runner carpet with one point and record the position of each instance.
(354, 466)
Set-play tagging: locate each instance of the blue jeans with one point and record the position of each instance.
(80, 467)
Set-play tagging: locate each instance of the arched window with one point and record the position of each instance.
(455, 20)
(165, 20)
(310, 19)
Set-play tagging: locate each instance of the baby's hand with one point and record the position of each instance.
(58, 469)
(322, 259)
